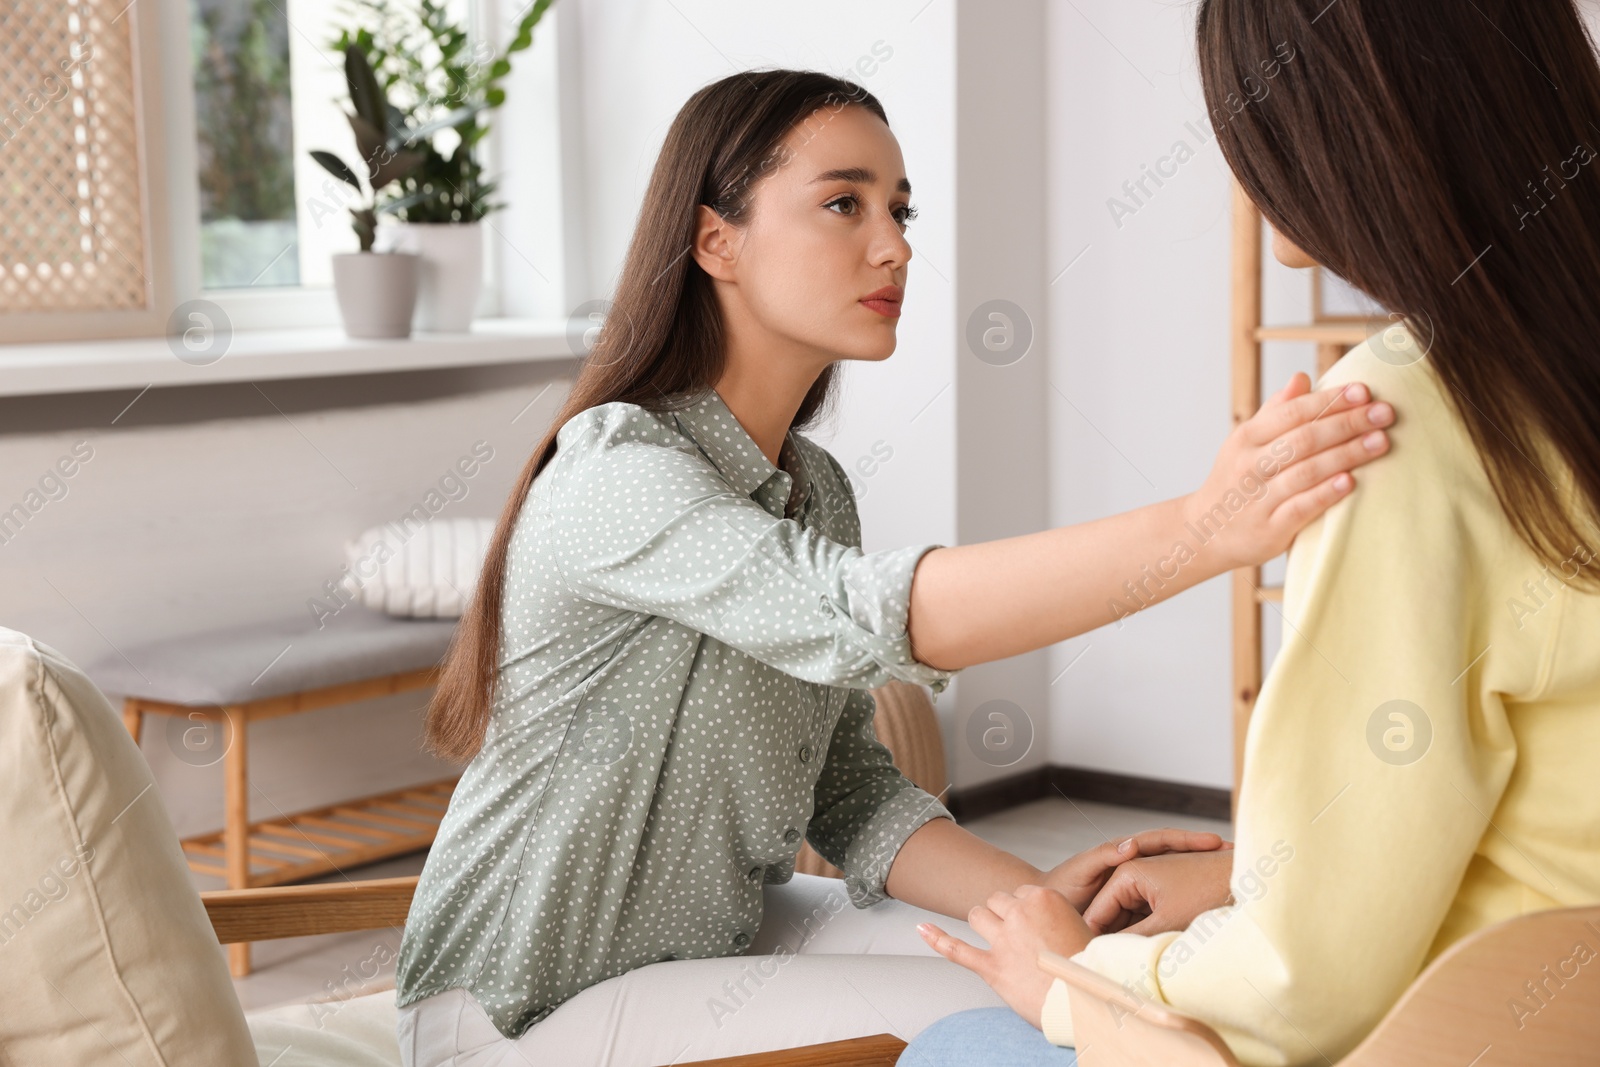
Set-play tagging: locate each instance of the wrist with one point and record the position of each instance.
(1197, 531)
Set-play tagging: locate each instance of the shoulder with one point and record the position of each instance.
(607, 426)
(1424, 510)
(1430, 443)
(618, 439)
(620, 450)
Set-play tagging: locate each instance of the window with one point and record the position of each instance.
(152, 154)
(245, 143)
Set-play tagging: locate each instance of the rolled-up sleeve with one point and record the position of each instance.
(637, 519)
(865, 808)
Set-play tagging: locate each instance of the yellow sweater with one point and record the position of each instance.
(1421, 762)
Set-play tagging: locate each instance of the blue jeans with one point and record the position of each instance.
(984, 1037)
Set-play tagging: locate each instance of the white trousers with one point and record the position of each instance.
(818, 970)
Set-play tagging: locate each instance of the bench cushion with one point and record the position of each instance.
(241, 664)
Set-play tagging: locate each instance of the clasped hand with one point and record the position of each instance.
(1153, 881)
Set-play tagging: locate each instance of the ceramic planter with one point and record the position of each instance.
(377, 292)
(451, 270)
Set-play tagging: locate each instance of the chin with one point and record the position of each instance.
(881, 349)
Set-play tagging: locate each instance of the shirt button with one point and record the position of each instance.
(741, 939)
(825, 605)
(755, 874)
(793, 836)
(805, 753)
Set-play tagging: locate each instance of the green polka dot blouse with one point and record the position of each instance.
(689, 637)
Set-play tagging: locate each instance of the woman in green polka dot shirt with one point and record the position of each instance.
(662, 684)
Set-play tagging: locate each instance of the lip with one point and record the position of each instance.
(885, 301)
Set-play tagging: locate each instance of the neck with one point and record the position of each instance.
(764, 381)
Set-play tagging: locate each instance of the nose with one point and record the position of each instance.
(888, 247)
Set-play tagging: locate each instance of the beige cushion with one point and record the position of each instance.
(106, 955)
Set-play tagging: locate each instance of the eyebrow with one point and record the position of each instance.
(859, 175)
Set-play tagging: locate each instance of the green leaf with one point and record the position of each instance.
(494, 96)
(524, 35)
(369, 142)
(336, 166)
(365, 95)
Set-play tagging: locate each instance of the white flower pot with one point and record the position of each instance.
(377, 292)
(452, 270)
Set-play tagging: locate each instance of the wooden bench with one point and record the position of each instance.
(213, 685)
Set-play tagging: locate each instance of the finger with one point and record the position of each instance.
(1089, 868)
(983, 922)
(1324, 465)
(1115, 926)
(954, 949)
(1312, 438)
(1002, 903)
(1156, 842)
(1298, 383)
(1124, 893)
(1271, 423)
(1147, 924)
(1294, 513)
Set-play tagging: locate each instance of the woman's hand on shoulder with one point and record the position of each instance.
(1283, 467)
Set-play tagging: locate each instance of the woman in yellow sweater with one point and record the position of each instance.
(1420, 763)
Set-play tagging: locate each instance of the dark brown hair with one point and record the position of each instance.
(1440, 157)
(661, 343)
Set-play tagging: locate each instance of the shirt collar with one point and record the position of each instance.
(713, 427)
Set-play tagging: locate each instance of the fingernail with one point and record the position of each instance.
(1373, 441)
(1126, 845)
(1341, 482)
(1355, 391)
(923, 929)
(1380, 414)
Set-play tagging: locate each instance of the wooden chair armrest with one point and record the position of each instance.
(1115, 1028)
(879, 1050)
(299, 910)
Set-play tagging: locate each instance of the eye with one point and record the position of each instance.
(848, 198)
(904, 214)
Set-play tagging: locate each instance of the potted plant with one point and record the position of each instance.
(424, 56)
(377, 291)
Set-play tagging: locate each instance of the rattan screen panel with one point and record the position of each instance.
(72, 226)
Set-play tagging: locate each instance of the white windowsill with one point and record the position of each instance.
(257, 355)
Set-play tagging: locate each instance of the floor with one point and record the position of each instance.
(1043, 832)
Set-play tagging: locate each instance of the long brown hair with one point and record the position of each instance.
(661, 343)
(1441, 158)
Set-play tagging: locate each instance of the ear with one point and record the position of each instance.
(716, 244)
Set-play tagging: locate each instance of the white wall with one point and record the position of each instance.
(1139, 365)
(212, 506)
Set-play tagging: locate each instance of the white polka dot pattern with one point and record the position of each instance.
(689, 634)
